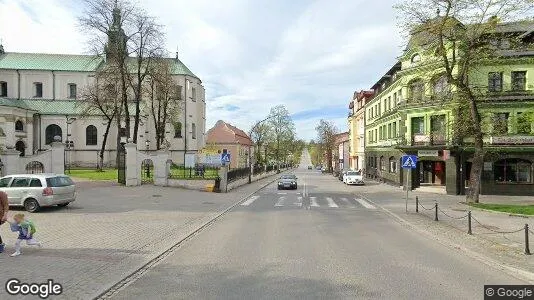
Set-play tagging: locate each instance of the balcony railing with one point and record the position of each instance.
(433, 139)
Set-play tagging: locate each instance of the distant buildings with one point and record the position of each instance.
(224, 137)
(341, 152)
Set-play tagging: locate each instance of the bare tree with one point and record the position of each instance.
(101, 98)
(326, 135)
(164, 99)
(462, 32)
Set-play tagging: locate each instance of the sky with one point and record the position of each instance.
(309, 55)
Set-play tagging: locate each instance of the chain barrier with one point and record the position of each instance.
(496, 231)
(432, 208)
(455, 218)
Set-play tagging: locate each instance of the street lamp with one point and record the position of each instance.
(68, 144)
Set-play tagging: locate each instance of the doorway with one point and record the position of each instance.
(431, 172)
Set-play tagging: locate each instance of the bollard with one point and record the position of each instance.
(436, 214)
(416, 204)
(527, 247)
(469, 223)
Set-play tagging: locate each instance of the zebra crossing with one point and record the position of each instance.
(328, 202)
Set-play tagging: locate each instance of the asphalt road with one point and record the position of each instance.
(273, 247)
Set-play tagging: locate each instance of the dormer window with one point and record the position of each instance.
(416, 58)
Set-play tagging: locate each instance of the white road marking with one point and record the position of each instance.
(365, 203)
(331, 202)
(280, 202)
(313, 201)
(299, 202)
(250, 200)
(349, 204)
(282, 193)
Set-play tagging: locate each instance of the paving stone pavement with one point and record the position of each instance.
(109, 232)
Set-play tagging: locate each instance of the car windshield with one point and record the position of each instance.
(288, 177)
(354, 173)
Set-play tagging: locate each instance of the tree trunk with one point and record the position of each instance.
(118, 141)
(137, 112)
(125, 100)
(104, 141)
(478, 157)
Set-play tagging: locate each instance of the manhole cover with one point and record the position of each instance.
(208, 203)
(155, 196)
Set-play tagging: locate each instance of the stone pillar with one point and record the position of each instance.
(132, 166)
(161, 175)
(58, 158)
(10, 161)
(453, 176)
(223, 174)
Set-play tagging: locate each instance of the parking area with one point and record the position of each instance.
(107, 233)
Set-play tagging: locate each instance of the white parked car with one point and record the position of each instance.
(353, 177)
(33, 191)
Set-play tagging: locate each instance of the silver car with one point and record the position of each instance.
(34, 191)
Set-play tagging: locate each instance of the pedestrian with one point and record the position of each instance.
(26, 230)
(4, 208)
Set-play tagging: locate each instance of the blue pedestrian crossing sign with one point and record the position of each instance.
(409, 161)
(225, 157)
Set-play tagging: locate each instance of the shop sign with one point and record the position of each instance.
(428, 153)
(525, 139)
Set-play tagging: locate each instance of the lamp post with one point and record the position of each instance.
(68, 143)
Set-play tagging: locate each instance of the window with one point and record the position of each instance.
(524, 123)
(395, 99)
(178, 130)
(519, 80)
(3, 89)
(91, 135)
(495, 82)
(417, 88)
(394, 129)
(389, 130)
(4, 182)
(416, 58)
(193, 131)
(179, 92)
(59, 181)
(513, 171)
(38, 89)
(379, 110)
(19, 126)
(392, 165)
(72, 90)
(500, 123)
(194, 94)
(20, 147)
(382, 164)
(35, 182)
(51, 131)
(20, 182)
(418, 125)
(441, 87)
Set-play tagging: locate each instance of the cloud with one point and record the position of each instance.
(308, 55)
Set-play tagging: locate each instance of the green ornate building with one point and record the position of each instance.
(415, 111)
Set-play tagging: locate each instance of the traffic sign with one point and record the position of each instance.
(409, 161)
(225, 157)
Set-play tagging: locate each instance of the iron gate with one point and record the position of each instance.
(147, 171)
(121, 164)
(34, 167)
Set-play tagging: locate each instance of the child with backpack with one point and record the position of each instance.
(26, 229)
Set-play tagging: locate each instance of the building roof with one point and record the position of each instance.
(342, 137)
(54, 107)
(72, 63)
(49, 62)
(224, 133)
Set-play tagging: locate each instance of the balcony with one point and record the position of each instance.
(433, 139)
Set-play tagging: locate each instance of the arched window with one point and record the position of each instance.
(441, 86)
(416, 58)
(178, 129)
(417, 89)
(90, 135)
(19, 126)
(513, 170)
(21, 147)
(51, 131)
(382, 164)
(392, 165)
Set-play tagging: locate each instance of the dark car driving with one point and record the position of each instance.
(287, 181)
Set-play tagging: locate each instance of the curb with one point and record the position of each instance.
(137, 273)
(512, 271)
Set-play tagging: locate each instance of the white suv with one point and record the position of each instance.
(353, 177)
(36, 190)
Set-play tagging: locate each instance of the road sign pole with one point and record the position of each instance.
(409, 173)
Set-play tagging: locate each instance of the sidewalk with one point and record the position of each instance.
(108, 233)
(506, 248)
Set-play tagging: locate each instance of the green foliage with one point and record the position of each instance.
(92, 174)
(508, 208)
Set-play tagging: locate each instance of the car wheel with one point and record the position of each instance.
(31, 205)
(295, 187)
(63, 204)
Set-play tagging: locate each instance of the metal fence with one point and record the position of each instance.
(199, 171)
(236, 174)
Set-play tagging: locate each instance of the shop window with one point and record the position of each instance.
(392, 165)
(513, 170)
